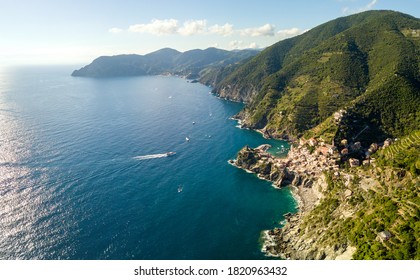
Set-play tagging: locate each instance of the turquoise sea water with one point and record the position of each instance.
(82, 175)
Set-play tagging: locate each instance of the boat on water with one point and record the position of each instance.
(187, 139)
(168, 154)
(180, 188)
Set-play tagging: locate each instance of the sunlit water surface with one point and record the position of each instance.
(83, 171)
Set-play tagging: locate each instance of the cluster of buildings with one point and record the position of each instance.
(306, 161)
(312, 158)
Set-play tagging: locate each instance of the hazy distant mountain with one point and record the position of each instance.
(166, 60)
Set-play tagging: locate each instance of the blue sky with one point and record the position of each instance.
(76, 31)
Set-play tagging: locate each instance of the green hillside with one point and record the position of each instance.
(367, 64)
(405, 153)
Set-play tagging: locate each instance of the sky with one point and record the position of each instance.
(78, 31)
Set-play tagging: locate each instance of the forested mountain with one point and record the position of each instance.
(366, 64)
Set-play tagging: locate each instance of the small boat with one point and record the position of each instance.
(187, 139)
(168, 154)
(193, 122)
(180, 188)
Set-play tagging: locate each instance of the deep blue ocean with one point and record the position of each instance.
(83, 171)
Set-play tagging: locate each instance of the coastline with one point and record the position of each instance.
(285, 242)
(303, 171)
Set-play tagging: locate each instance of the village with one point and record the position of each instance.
(305, 162)
(304, 170)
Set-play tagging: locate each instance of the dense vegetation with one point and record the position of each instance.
(367, 64)
(404, 154)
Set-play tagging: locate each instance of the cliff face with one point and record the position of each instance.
(237, 93)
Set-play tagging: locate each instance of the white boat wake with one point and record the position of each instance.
(154, 156)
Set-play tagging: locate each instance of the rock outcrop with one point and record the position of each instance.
(266, 166)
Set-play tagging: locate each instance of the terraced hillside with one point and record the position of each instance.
(404, 153)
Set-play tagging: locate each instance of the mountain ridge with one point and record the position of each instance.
(189, 63)
(360, 63)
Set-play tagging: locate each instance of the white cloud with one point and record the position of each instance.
(265, 30)
(115, 30)
(199, 27)
(224, 30)
(193, 27)
(170, 26)
(369, 6)
(156, 27)
(287, 33)
(239, 45)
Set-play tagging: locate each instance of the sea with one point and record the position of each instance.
(84, 172)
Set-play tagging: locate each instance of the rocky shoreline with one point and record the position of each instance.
(303, 171)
